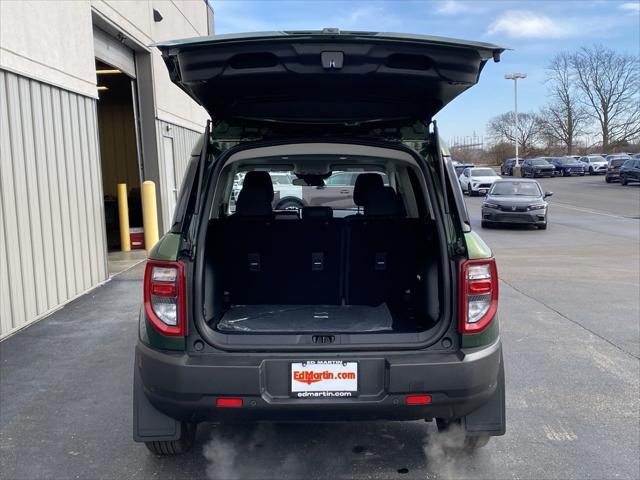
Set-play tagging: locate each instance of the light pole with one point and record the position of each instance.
(515, 77)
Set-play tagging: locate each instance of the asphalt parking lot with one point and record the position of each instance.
(569, 312)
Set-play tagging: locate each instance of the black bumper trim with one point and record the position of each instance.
(185, 386)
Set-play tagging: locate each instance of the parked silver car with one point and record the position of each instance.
(516, 201)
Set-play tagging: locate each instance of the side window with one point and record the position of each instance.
(340, 179)
(466, 172)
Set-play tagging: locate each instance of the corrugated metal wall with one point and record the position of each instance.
(52, 244)
(183, 140)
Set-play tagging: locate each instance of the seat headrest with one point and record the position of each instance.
(254, 200)
(317, 212)
(383, 203)
(365, 184)
(253, 203)
(258, 181)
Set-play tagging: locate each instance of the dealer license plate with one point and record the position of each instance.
(324, 379)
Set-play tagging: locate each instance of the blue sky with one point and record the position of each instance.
(535, 30)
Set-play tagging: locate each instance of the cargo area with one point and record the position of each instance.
(364, 266)
(316, 275)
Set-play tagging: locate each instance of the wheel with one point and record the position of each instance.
(485, 224)
(469, 190)
(607, 179)
(591, 172)
(289, 204)
(543, 226)
(175, 447)
(456, 439)
(623, 180)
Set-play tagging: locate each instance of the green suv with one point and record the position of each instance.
(386, 309)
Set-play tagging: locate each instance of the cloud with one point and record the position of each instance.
(368, 17)
(527, 24)
(450, 7)
(631, 7)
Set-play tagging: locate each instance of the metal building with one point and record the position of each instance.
(85, 103)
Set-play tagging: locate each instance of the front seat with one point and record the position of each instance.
(366, 185)
(256, 196)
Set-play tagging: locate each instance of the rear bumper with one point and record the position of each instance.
(185, 387)
(534, 217)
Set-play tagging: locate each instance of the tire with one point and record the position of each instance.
(623, 181)
(289, 204)
(485, 224)
(175, 447)
(591, 172)
(543, 226)
(607, 179)
(457, 440)
(469, 190)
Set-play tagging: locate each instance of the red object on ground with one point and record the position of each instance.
(137, 238)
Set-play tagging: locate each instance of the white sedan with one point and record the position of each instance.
(477, 180)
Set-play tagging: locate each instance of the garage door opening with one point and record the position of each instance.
(118, 152)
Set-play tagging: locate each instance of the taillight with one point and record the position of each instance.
(164, 300)
(478, 294)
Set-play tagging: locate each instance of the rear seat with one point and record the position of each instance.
(308, 253)
(382, 252)
(365, 259)
(270, 260)
(243, 246)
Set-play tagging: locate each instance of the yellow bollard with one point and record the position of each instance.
(149, 214)
(123, 213)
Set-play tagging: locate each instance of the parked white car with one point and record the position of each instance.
(594, 164)
(477, 180)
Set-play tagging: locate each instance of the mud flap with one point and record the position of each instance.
(489, 419)
(149, 424)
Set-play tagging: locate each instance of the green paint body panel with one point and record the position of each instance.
(151, 337)
(486, 337)
(476, 247)
(167, 248)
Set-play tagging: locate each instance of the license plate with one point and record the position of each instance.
(324, 379)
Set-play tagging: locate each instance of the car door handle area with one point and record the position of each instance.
(345, 192)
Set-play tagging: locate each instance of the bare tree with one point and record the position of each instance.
(609, 82)
(564, 118)
(502, 129)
